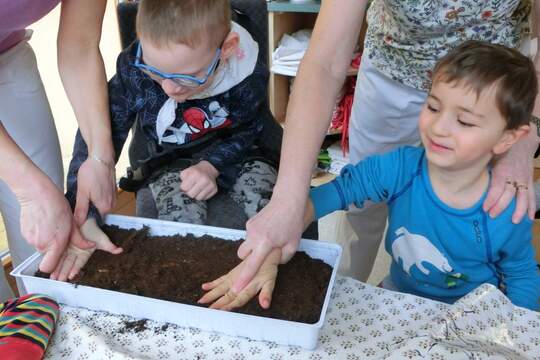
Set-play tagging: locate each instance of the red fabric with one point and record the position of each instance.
(342, 113)
(12, 348)
(357, 58)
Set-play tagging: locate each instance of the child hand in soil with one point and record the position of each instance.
(263, 281)
(75, 258)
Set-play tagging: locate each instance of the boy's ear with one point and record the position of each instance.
(230, 44)
(509, 138)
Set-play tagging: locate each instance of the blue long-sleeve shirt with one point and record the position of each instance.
(437, 251)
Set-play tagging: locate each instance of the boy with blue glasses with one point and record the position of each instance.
(193, 87)
(188, 81)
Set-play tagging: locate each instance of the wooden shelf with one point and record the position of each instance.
(334, 132)
(352, 71)
(307, 6)
(287, 17)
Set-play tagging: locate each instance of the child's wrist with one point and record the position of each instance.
(208, 168)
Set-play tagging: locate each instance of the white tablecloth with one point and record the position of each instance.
(363, 322)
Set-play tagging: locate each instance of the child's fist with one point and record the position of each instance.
(199, 181)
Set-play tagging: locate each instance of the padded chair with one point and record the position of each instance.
(253, 16)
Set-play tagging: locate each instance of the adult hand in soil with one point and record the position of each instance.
(47, 222)
(277, 225)
(75, 258)
(513, 176)
(199, 181)
(263, 282)
(96, 182)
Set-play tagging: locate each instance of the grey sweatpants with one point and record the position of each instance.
(252, 191)
(27, 117)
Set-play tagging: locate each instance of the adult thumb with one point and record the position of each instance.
(81, 208)
(78, 240)
(51, 258)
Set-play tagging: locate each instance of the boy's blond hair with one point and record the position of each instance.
(480, 65)
(189, 22)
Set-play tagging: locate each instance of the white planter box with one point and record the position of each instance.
(253, 327)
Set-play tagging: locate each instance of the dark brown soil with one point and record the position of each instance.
(135, 326)
(174, 267)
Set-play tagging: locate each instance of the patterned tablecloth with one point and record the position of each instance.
(363, 322)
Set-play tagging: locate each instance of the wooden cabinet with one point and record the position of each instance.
(285, 17)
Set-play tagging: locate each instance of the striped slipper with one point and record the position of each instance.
(26, 325)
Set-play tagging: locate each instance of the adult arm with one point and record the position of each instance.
(319, 79)
(517, 164)
(46, 221)
(83, 74)
(123, 109)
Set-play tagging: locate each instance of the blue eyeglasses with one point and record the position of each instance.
(180, 79)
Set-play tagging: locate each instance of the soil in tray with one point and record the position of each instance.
(174, 267)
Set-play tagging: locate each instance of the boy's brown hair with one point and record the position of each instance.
(479, 65)
(187, 22)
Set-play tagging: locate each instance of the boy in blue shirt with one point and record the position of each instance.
(443, 245)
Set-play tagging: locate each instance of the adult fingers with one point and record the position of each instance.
(503, 201)
(113, 191)
(532, 201)
(50, 259)
(56, 272)
(245, 248)
(104, 205)
(251, 265)
(102, 196)
(521, 205)
(288, 251)
(81, 207)
(495, 192)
